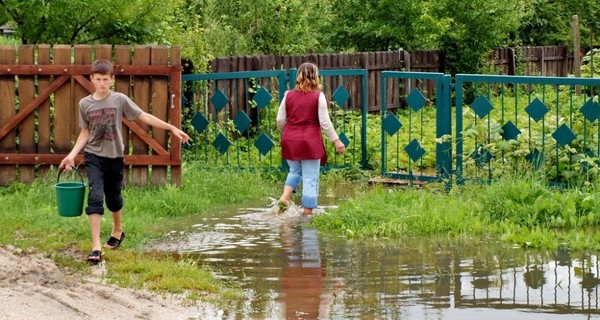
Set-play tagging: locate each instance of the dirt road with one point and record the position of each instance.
(33, 288)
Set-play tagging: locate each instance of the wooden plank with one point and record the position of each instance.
(141, 96)
(27, 126)
(159, 103)
(175, 117)
(44, 120)
(58, 69)
(82, 56)
(103, 51)
(63, 139)
(123, 85)
(55, 158)
(8, 172)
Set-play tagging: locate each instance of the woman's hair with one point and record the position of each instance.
(308, 78)
(103, 67)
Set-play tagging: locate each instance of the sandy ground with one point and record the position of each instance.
(32, 287)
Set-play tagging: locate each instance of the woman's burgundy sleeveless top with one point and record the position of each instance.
(301, 138)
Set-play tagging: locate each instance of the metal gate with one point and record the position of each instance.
(410, 150)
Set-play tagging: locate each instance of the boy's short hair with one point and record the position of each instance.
(102, 66)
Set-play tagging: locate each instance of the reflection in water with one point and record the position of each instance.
(289, 271)
(303, 272)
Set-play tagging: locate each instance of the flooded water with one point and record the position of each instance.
(289, 271)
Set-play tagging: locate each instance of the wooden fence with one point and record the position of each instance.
(40, 87)
(547, 61)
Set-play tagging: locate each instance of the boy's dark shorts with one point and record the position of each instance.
(105, 177)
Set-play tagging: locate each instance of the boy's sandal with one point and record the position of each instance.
(113, 242)
(95, 256)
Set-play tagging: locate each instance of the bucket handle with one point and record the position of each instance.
(76, 170)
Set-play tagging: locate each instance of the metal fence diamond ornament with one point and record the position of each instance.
(219, 100)
(563, 135)
(416, 100)
(391, 124)
(262, 98)
(242, 121)
(481, 155)
(199, 122)
(591, 110)
(264, 144)
(221, 143)
(510, 131)
(536, 109)
(482, 106)
(340, 96)
(414, 150)
(536, 158)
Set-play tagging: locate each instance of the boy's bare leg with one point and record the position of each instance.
(117, 229)
(308, 211)
(95, 220)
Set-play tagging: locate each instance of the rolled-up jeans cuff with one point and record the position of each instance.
(98, 210)
(309, 202)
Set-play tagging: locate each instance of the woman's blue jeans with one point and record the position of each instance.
(307, 172)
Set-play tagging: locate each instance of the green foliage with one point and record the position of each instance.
(236, 27)
(476, 28)
(81, 21)
(549, 22)
(9, 40)
(591, 64)
(384, 25)
(185, 28)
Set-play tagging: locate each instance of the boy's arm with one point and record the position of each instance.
(69, 161)
(156, 122)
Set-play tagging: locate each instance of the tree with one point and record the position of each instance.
(364, 25)
(82, 21)
(548, 22)
(476, 28)
(236, 27)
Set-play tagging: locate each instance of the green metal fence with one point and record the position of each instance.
(413, 103)
(545, 125)
(232, 116)
(503, 124)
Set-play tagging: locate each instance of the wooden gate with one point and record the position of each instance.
(40, 87)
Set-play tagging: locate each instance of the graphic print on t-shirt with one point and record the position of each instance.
(103, 124)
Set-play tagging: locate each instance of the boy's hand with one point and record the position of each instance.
(181, 135)
(67, 164)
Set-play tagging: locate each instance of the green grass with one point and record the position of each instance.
(30, 221)
(521, 211)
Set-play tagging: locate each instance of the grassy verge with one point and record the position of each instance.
(518, 211)
(30, 221)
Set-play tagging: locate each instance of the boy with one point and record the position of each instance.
(100, 116)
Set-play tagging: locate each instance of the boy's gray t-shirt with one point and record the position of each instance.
(103, 119)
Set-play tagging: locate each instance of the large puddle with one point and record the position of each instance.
(289, 271)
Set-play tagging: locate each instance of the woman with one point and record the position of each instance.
(302, 115)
